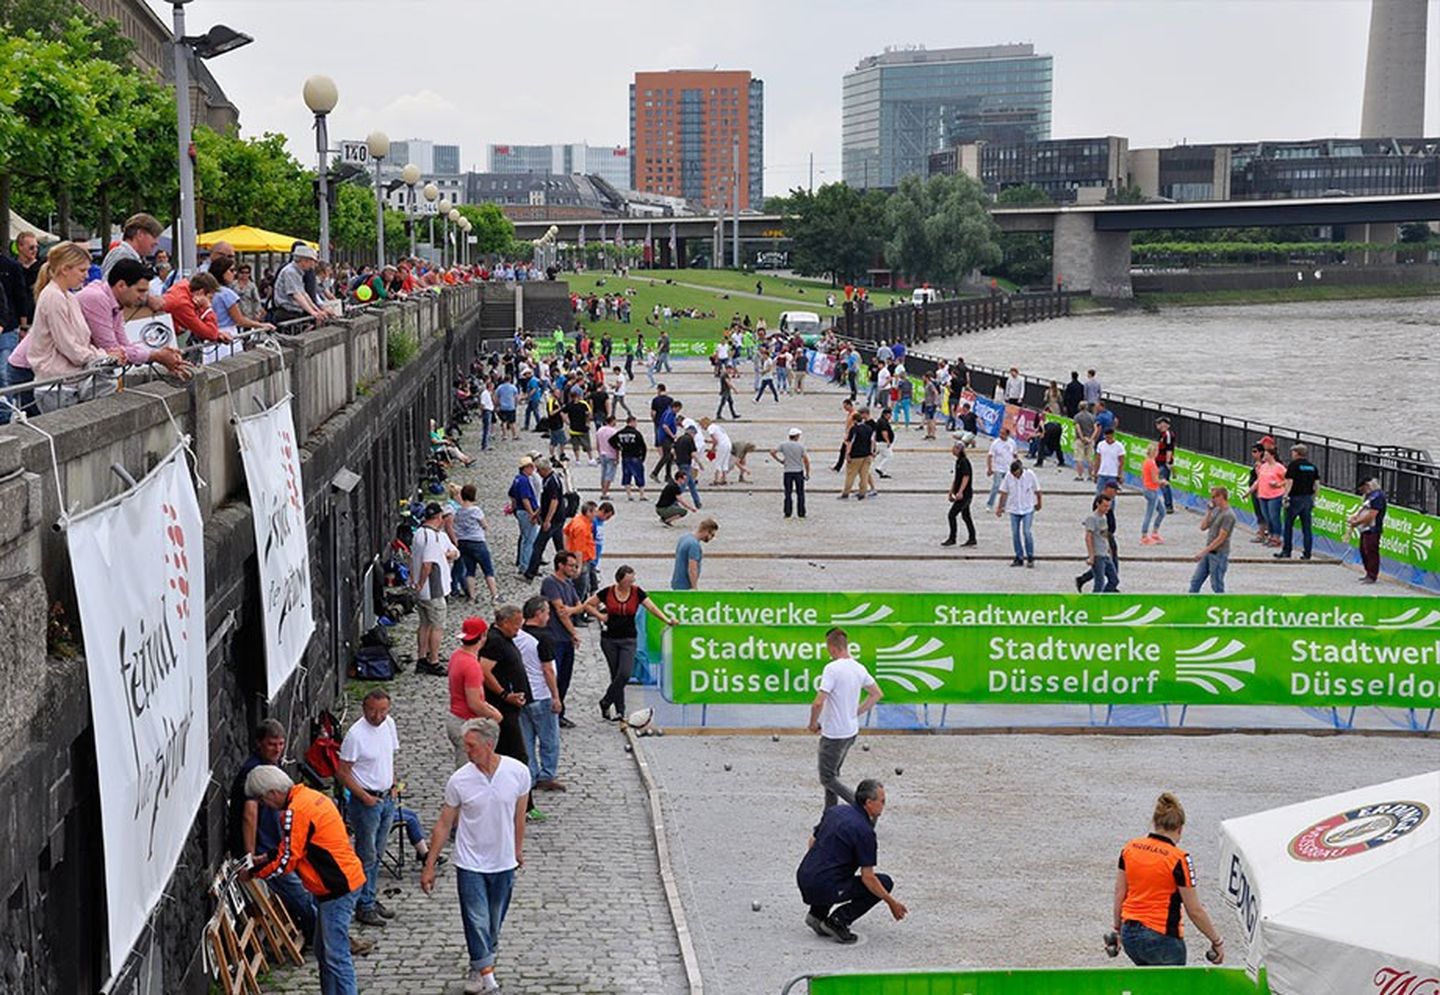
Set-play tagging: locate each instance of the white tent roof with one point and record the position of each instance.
(19, 225)
(1333, 893)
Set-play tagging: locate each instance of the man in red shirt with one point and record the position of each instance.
(467, 686)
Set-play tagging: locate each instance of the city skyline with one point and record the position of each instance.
(1164, 91)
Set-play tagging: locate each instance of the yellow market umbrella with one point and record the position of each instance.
(248, 239)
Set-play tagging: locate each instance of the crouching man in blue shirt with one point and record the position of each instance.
(843, 843)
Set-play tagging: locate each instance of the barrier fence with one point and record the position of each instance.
(911, 323)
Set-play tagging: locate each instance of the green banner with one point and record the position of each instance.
(1409, 536)
(755, 609)
(678, 346)
(1053, 664)
(1053, 981)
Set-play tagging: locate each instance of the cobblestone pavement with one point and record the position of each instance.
(588, 913)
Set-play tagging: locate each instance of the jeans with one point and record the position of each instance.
(332, 945)
(1107, 579)
(484, 899)
(632, 472)
(995, 480)
(961, 509)
(620, 656)
(487, 418)
(371, 825)
(1212, 565)
(8, 342)
(1303, 508)
(691, 477)
(541, 729)
(1155, 507)
(532, 410)
(1148, 948)
(794, 488)
(782, 379)
(832, 758)
(760, 389)
(662, 362)
(1021, 527)
(1271, 509)
(902, 410)
(1164, 469)
(297, 901)
(1101, 479)
(850, 900)
(528, 531)
(727, 398)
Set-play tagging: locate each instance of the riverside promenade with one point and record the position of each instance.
(1002, 845)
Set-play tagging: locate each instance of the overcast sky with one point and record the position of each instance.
(474, 72)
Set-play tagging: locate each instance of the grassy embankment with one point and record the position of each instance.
(1282, 295)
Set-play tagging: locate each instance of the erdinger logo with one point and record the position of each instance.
(1393, 981)
(1358, 831)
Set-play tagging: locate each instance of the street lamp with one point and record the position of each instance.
(379, 145)
(431, 192)
(217, 41)
(454, 217)
(321, 97)
(444, 208)
(411, 175)
(465, 227)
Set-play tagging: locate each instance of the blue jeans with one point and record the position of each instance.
(1164, 469)
(528, 531)
(1021, 526)
(484, 899)
(1154, 506)
(297, 901)
(540, 725)
(1101, 479)
(1212, 565)
(1303, 508)
(1107, 578)
(371, 825)
(532, 410)
(564, 666)
(487, 418)
(690, 475)
(995, 479)
(1270, 508)
(902, 409)
(782, 378)
(8, 342)
(332, 946)
(1148, 948)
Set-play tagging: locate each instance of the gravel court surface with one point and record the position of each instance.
(1003, 847)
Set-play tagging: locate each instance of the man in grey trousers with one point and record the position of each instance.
(835, 712)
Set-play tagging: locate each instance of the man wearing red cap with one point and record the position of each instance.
(467, 686)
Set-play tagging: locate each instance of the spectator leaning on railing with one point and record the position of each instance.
(104, 302)
(188, 303)
(292, 300)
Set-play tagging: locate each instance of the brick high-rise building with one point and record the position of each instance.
(683, 127)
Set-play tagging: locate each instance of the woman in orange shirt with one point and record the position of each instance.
(1154, 503)
(1269, 487)
(1155, 878)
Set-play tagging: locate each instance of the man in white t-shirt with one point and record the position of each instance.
(1109, 461)
(431, 553)
(485, 802)
(367, 769)
(1020, 495)
(835, 712)
(997, 462)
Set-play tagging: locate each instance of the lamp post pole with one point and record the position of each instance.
(379, 147)
(181, 56)
(411, 175)
(321, 96)
(444, 208)
(431, 192)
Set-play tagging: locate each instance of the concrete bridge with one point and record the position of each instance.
(1092, 241)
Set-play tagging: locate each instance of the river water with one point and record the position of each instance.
(1362, 370)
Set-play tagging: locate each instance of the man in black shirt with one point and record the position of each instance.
(962, 489)
(859, 456)
(551, 521)
(1074, 393)
(507, 686)
(843, 843)
(1165, 460)
(1301, 479)
(670, 505)
(629, 442)
(685, 450)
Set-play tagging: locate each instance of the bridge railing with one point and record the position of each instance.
(1408, 476)
(910, 323)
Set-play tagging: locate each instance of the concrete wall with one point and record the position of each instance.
(1088, 260)
(1284, 277)
(51, 871)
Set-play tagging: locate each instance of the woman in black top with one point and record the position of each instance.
(617, 606)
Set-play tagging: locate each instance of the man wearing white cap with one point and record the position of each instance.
(796, 462)
(291, 300)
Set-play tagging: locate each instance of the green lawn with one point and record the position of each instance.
(1311, 292)
(798, 289)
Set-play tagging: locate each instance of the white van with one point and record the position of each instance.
(924, 295)
(799, 323)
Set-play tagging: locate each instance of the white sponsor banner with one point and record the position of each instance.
(277, 502)
(139, 564)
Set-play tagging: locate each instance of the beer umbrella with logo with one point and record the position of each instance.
(1340, 894)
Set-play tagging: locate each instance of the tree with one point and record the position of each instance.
(837, 230)
(494, 233)
(940, 229)
(1027, 255)
(253, 181)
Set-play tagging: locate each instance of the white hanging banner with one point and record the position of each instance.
(277, 503)
(139, 565)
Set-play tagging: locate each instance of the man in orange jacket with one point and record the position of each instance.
(580, 540)
(314, 844)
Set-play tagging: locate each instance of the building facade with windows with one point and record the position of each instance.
(1061, 167)
(900, 106)
(609, 162)
(685, 126)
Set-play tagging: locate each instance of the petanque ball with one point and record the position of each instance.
(629, 748)
(774, 737)
(659, 732)
(865, 747)
(754, 906)
(899, 771)
(727, 766)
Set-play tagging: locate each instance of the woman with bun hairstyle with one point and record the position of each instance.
(1155, 878)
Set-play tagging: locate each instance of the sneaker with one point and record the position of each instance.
(969, 542)
(1030, 563)
(860, 496)
(474, 982)
(873, 494)
(566, 723)
(369, 917)
(1017, 563)
(840, 931)
(1079, 584)
(384, 912)
(820, 926)
(1304, 556)
(841, 497)
(550, 785)
(1282, 555)
(535, 815)
(948, 542)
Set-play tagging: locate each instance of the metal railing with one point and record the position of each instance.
(1409, 476)
(910, 323)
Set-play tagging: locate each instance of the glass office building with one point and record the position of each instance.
(900, 106)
